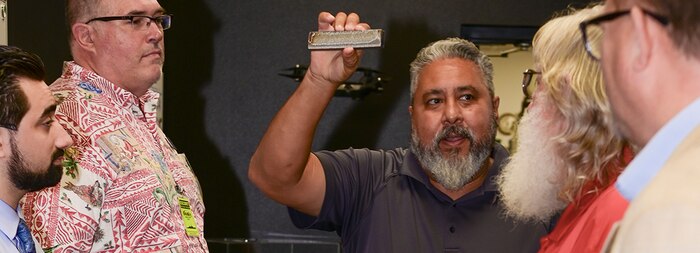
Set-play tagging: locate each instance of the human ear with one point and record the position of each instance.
(496, 102)
(5, 147)
(83, 36)
(642, 38)
(565, 83)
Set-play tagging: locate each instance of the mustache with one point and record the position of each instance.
(454, 130)
(56, 154)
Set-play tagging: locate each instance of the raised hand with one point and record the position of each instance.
(332, 67)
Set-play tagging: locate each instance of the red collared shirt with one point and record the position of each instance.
(124, 196)
(585, 223)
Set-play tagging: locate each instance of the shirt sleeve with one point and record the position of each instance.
(352, 178)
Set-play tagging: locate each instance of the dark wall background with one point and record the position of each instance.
(222, 87)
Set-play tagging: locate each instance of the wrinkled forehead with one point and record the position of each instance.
(453, 69)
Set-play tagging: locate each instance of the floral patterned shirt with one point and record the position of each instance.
(125, 194)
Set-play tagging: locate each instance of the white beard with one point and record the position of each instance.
(531, 180)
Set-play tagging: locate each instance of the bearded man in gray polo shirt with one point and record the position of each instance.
(437, 196)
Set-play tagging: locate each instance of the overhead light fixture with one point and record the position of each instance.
(500, 40)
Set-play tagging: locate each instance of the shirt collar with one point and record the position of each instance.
(9, 220)
(657, 151)
(91, 82)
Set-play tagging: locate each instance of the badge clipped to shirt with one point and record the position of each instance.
(188, 217)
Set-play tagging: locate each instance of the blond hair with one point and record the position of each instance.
(588, 145)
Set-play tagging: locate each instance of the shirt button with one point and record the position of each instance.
(452, 229)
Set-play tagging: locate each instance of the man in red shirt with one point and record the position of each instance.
(568, 156)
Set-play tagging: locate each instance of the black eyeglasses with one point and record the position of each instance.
(140, 22)
(591, 31)
(528, 89)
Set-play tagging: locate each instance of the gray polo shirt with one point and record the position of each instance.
(382, 201)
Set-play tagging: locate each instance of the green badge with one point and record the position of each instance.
(188, 217)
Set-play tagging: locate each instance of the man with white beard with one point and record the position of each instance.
(439, 196)
(533, 174)
(568, 155)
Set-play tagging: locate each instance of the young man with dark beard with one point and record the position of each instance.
(437, 196)
(31, 142)
(568, 154)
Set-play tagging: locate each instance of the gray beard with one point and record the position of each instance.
(453, 171)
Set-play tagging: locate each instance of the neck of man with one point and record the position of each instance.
(675, 68)
(130, 87)
(476, 181)
(9, 193)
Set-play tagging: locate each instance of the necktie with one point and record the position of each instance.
(25, 244)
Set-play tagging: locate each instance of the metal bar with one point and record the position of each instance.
(372, 38)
